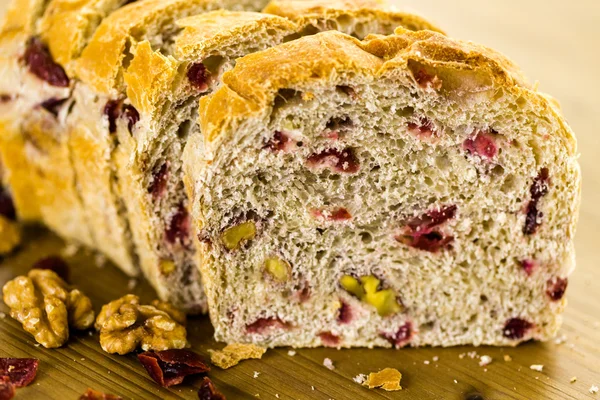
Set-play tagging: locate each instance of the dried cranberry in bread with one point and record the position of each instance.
(388, 192)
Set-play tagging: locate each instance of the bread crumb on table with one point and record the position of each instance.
(573, 379)
(507, 358)
(536, 367)
(256, 374)
(328, 364)
(233, 353)
(485, 360)
(291, 353)
(386, 379)
(360, 379)
(594, 389)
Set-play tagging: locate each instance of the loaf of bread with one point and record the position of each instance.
(141, 114)
(402, 190)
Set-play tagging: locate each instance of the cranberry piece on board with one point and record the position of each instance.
(208, 391)
(7, 389)
(20, 371)
(170, 367)
(40, 63)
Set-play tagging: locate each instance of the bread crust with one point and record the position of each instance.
(331, 56)
(310, 12)
(66, 26)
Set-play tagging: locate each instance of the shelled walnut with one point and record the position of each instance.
(124, 324)
(47, 306)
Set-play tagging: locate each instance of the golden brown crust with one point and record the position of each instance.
(309, 12)
(205, 33)
(101, 61)
(21, 16)
(151, 74)
(329, 57)
(66, 25)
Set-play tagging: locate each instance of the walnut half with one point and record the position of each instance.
(47, 306)
(124, 324)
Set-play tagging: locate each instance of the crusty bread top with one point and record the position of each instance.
(66, 25)
(21, 16)
(306, 12)
(151, 74)
(101, 61)
(332, 58)
(205, 33)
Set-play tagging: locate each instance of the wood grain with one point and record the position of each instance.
(556, 42)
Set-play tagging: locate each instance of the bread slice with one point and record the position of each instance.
(160, 85)
(403, 190)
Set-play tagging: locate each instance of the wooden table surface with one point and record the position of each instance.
(557, 43)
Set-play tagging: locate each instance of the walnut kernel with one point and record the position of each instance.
(124, 324)
(46, 306)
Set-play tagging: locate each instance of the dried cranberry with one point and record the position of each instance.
(40, 63)
(53, 105)
(56, 264)
(556, 288)
(21, 371)
(170, 367)
(344, 314)
(91, 394)
(131, 115)
(5, 98)
(115, 109)
(528, 266)
(422, 232)
(337, 161)
(112, 110)
(483, 144)
(426, 80)
(7, 207)
(158, 187)
(179, 226)
(338, 214)
(7, 389)
(538, 189)
(263, 325)
(279, 142)
(329, 339)
(516, 328)
(198, 76)
(401, 337)
(424, 128)
(208, 391)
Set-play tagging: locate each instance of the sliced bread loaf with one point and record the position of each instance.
(402, 190)
(156, 109)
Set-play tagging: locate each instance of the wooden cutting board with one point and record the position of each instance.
(554, 41)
